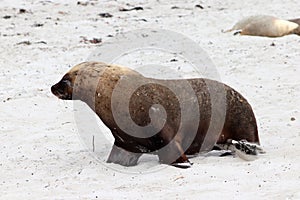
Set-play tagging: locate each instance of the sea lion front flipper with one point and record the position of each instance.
(173, 152)
(123, 157)
(182, 162)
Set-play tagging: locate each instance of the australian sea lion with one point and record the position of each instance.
(264, 25)
(95, 84)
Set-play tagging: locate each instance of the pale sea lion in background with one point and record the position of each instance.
(239, 131)
(264, 25)
(244, 22)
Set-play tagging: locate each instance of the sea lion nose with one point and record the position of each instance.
(55, 89)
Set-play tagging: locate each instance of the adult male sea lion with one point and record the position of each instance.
(97, 85)
(264, 25)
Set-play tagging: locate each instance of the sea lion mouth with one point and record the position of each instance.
(64, 96)
(60, 93)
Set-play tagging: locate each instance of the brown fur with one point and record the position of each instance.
(95, 82)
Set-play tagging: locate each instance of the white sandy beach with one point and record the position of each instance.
(42, 155)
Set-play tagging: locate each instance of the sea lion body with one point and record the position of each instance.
(95, 84)
(264, 25)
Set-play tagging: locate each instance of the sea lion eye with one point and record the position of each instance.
(67, 82)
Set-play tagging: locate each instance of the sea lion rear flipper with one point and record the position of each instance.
(245, 150)
(123, 157)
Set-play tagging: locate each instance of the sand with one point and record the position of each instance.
(42, 154)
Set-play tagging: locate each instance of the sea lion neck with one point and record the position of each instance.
(95, 85)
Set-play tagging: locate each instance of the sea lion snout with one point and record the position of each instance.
(63, 89)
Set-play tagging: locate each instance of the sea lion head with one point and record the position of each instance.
(78, 83)
(64, 88)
